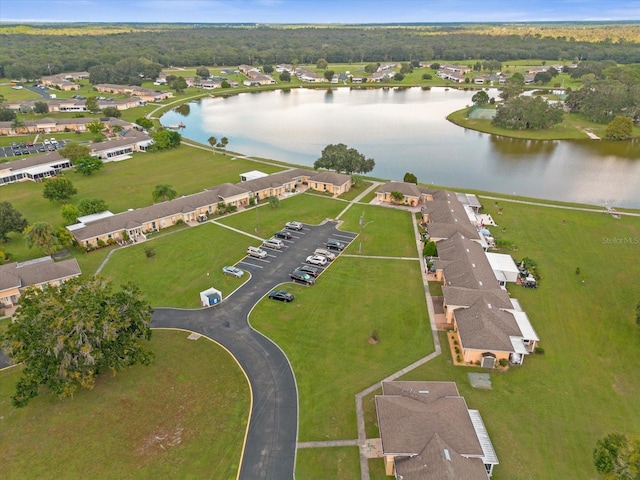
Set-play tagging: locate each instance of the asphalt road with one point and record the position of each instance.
(270, 448)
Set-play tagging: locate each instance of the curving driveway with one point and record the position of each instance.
(270, 447)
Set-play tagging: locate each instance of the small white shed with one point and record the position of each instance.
(210, 297)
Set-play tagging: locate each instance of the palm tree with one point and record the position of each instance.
(224, 141)
(17, 125)
(163, 192)
(213, 141)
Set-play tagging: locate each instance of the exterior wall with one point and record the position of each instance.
(9, 297)
(470, 355)
(389, 466)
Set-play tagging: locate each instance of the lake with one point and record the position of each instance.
(405, 130)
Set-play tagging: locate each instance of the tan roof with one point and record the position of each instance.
(409, 189)
(333, 178)
(33, 161)
(465, 297)
(410, 417)
(276, 179)
(37, 272)
(464, 263)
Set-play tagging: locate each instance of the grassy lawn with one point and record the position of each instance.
(328, 347)
(182, 417)
(336, 463)
(185, 263)
(308, 208)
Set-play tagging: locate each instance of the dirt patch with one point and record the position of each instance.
(159, 441)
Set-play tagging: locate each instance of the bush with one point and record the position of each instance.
(538, 351)
(503, 362)
(459, 359)
(101, 243)
(457, 350)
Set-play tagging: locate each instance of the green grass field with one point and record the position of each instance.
(183, 416)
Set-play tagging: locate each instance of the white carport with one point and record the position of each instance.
(503, 266)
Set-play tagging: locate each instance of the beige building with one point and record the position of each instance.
(412, 194)
(15, 277)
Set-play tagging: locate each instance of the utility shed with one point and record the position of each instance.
(503, 267)
(210, 297)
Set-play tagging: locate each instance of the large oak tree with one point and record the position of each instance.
(344, 159)
(65, 336)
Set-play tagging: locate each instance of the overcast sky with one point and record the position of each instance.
(316, 11)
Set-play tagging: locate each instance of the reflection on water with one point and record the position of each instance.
(183, 109)
(405, 130)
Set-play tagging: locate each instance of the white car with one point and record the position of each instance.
(324, 253)
(317, 260)
(294, 225)
(256, 252)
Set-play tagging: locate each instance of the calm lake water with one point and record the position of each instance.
(405, 130)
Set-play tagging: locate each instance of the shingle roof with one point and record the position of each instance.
(333, 178)
(464, 263)
(37, 272)
(465, 297)
(32, 161)
(486, 328)
(410, 189)
(409, 421)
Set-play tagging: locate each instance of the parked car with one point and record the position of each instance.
(233, 271)
(281, 295)
(294, 226)
(282, 234)
(53, 140)
(302, 278)
(335, 245)
(41, 148)
(273, 243)
(256, 252)
(46, 141)
(325, 253)
(317, 260)
(25, 151)
(313, 271)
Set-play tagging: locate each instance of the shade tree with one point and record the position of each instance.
(343, 159)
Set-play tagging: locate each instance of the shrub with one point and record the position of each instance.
(538, 351)
(457, 350)
(459, 359)
(101, 243)
(149, 252)
(503, 362)
(455, 342)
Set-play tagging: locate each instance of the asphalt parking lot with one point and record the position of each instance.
(39, 148)
(270, 446)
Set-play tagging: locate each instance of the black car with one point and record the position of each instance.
(283, 234)
(302, 277)
(281, 295)
(335, 245)
(25, 151)
(308, 269)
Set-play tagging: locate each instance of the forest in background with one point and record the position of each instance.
(43, 49)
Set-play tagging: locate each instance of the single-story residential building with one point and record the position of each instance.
(128, 142)
(412, 194)
(34, 168)
(15, 277)
(428, 432)
(504, 268)
(330, 182)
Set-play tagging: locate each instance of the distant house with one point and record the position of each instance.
(428, 433)
(128, 142)
(305, 75)
(16, 277)
(412, 193)
(330, 182)
(60, 82)
(146, 94)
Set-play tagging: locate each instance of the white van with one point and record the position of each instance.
(273, 243)
(256, 252)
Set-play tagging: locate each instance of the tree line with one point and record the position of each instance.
(31, 56)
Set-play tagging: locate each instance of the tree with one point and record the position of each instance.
(203, 72)
(274, 201)
(410, 178)
(112, 112)
(427, 76)
(268, 69)
(11, 220)
(58, 189)
(406, 68)
(88, 165)
(95, 127)
(163, 192)
(92, 104)
(343, 159)
(543, 77)
(322, 64)
(522, 113)
(617, 456)
(224, 141)
(430, 249)
(42, 235)
(67, 335)
(620, 128)
(356, 179)
(144, 123)
(513, 86)
(481, 98)
(284, 76)
(74, 151)
(41, 107)
(70, 213)
(7, 115)
(397, 197)
(213, 141)
(89, 206)
(398, 77)
(164, 139)
(18, 125)
(178, 84)
(328, 75)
